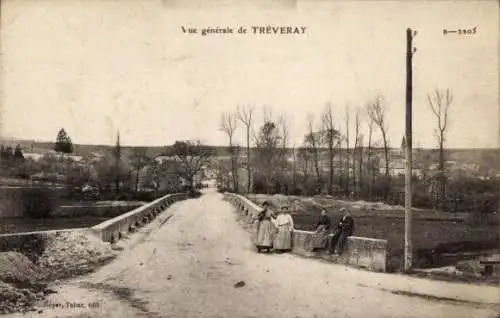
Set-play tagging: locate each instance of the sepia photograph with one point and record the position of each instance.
(239, 158)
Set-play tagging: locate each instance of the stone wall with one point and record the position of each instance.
(116, 228)
(363, 252)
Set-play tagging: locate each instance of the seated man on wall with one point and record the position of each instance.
(345, 228)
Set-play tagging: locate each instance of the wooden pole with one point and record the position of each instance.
(408, 137)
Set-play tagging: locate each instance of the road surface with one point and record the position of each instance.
(187, 266)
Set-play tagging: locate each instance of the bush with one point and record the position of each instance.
(30, 245)
(194, 194)
(38, 202)
(221, 189)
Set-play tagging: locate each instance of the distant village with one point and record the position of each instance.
(154, 169)
(423, 162)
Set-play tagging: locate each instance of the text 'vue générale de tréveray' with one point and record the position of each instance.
(242, 30)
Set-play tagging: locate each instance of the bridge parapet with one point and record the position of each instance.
(364, 252)
(116, 228)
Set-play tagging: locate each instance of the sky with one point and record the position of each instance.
(97, 66)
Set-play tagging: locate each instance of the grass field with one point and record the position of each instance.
(435, 231)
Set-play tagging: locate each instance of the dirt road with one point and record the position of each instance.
(187, 266)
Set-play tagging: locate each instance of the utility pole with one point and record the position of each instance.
(408, 136)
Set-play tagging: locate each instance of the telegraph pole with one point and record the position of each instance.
(408, 136)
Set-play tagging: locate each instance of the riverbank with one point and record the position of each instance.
(77, 215)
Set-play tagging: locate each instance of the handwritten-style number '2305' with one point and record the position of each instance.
(471, 31)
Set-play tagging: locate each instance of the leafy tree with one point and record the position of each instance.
(6, 155)
(18, 154)
(107, 172)
(77, 176)
(63, 144)
(7, 152)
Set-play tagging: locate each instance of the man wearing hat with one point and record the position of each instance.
(345, 228)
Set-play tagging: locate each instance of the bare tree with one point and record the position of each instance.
(138, 161)
(117, 154)
(228, 125)
(355, 148)
(303, 155)
(371, 171)
(376, 112)
(267, 143)
(348, 175)
(360, 163)
(439, 103)
(192, 157)
(284, 126)
(312, 141)
(294, 169)
(331, 138)
(245, 115)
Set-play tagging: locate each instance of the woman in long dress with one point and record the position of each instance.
(265, 230)
(320, 236)
(284, 224)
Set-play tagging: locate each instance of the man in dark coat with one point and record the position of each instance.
(345, 228)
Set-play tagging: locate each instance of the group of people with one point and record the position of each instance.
(335, 244)
(274, 231)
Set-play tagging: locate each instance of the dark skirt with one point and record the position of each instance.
(264, 236)
(320, 237)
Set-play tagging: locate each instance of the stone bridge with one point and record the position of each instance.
(199, 262)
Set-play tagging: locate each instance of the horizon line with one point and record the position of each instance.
(13, 140)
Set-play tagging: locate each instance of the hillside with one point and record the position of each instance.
(483, 156)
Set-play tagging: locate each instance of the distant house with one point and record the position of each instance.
(33, 156)
(145, 179)
(76, 158)
(160, 159)
(398, 168)
(94, 157)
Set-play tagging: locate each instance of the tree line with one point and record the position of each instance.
(342, 162)
(117, 173)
